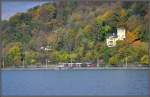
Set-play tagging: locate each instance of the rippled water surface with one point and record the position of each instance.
(75, 82)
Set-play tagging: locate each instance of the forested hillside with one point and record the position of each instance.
(76, 31)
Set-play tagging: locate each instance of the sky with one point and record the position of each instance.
(10, 8)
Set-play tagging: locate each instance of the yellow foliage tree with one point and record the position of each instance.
(122, 12)
(52, 39)
(14, 54)
(132, 36)
(107, 15)
(76, 17)
(87, 28)
(144, 60)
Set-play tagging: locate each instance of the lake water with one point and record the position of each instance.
(75, 82)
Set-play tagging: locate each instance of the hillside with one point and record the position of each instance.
(76, 31)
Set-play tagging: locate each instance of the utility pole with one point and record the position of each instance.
(126, 61)
(3, 62)
(42, 53)
(3, 58)
(46, 62)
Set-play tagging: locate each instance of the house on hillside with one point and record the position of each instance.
(120, 34)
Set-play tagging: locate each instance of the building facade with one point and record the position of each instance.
(120, 35)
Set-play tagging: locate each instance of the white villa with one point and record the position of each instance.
(121, 35)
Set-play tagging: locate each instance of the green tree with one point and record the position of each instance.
(102, 30)
(62, 56)
(114, 60)
(105, 54)
(73, 57)
(31, 57)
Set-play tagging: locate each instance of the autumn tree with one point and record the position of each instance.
(14, 54)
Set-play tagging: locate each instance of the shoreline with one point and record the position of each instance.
(83, 68)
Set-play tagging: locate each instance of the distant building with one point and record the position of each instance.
(119, 35)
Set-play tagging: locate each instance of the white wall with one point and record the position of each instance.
(111, 41)
(121, 33)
